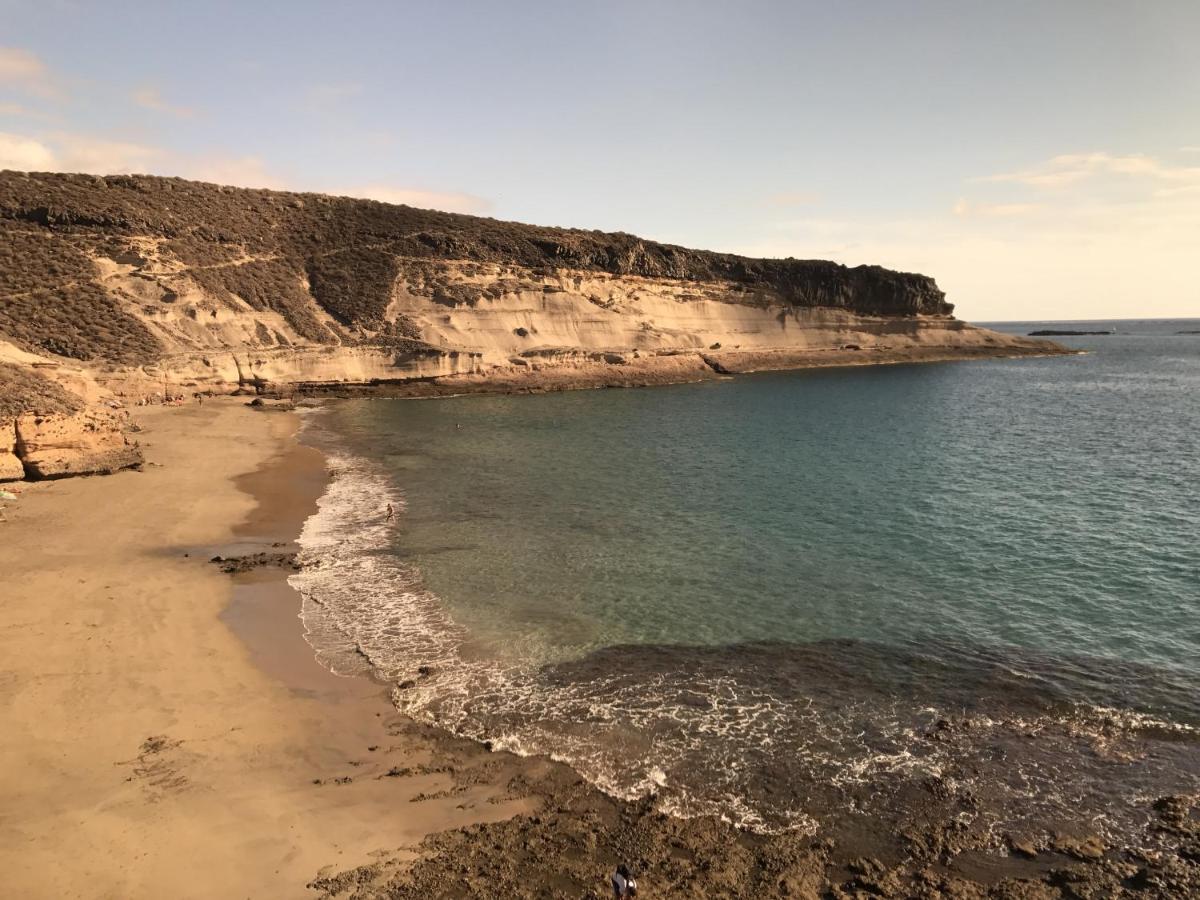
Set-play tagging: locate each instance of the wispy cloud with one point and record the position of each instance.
(1090, 235)
(25, 71)
(1072, 168)
(449, 201)
(152, 98)
(19, 110)
(71, 152)
(241, 171)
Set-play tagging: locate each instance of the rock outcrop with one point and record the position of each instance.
(82, 443)
(46, 430)
(11, 468)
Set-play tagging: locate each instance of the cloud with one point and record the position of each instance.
(151, 98)
(242, 171)
(81, 153)
(24, 71)
(449, 201)
(62, 152)
(1072, 168)
(25, 154)
(1076, 236)
(69, 152)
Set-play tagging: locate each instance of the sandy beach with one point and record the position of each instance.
(166, 730)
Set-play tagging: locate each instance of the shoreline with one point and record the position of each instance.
(159, 739)
(653, 370)
(861, 852)
(206, 745)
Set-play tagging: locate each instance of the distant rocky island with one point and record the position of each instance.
(127, 289)
(1054, 332)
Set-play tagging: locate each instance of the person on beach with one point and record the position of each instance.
(623, 883)
(391, 514)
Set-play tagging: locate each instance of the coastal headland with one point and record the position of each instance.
(119, 290)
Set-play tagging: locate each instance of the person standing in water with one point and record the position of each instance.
(391, 514)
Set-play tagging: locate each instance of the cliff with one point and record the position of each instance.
(140, 287)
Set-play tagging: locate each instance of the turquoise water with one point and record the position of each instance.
(860, 550)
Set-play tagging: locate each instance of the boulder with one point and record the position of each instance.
(10, 465)
(91, 442)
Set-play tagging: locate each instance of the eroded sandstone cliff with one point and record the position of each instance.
(139, 287)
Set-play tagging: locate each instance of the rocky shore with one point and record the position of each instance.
(566, 848)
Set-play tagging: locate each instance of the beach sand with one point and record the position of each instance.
(164, 723)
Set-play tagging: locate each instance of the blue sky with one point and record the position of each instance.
(1041, 160)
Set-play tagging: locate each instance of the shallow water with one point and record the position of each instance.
(759, 597)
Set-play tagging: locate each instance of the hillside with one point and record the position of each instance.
(139, 286)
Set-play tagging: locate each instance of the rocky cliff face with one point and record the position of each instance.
(144, 287)
(66, 435)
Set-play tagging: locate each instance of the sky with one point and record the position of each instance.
(1041, 160)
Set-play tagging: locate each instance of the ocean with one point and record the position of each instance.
(791, 598)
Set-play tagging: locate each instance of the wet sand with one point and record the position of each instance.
(167, 732)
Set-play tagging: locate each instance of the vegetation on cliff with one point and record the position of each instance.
(50, 301)
(23, 390)
(327, 264)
